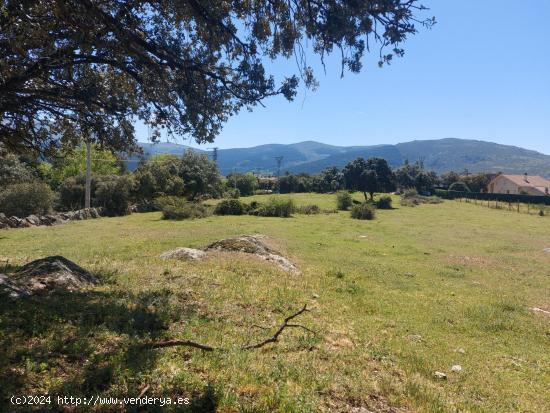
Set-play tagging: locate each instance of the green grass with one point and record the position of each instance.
(393, 300)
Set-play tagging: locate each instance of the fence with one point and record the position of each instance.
(484, 196)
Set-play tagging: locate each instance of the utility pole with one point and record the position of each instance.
(214, 154)
(88, 191)
(279, 160)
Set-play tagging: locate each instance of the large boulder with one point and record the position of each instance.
(253, 244)
(48, 274)
(11, 288)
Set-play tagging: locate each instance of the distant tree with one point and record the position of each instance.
(384, 174)
(85, 69)
(424, 182)
(354, 175)
(331, 180)
(159, 176)
(479, 182)
(245, 183)
(373, 175)
(13, 171)
(370, 182)
(72, 162)
(200, 175)
(449, 178)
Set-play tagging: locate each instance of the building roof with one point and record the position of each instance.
(532, 180)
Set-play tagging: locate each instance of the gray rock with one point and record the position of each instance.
(33, 220)
(546, 250)
(440, 375)
(457, 368)
(253, 244)
(52, 273)
(184, 253)
(11, 288)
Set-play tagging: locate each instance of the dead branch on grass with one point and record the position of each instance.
(189, 343)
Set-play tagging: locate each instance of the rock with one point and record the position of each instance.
(409, 274)
(14, 222)
(546, 250)
(460, 350)
(314, 295)
(52, 273)
(440, 375)
(33, 219)
(253, 244)
(416, 338)
(11, 288)
(184, 253)
(457, 368)
(540, 310)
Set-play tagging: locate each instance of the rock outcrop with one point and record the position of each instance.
(248, 244)
(46, 274)
(184, 253)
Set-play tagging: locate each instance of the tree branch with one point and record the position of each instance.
(189, 343)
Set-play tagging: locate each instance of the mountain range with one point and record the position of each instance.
(440, 155)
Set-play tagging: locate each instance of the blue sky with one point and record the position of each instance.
(482, 72)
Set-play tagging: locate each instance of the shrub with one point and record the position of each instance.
(230, 207)
(233, 193)
(412, 198)
(363, 211)
(309, 209)
(176, 208)
(114, 194)
(343, 200)
(384, 202)
(275, 207)
(25, 199)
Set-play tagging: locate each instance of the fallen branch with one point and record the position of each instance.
(204, 347)
(176, 342)
(275, 336)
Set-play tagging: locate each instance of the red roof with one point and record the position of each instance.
(531, 180)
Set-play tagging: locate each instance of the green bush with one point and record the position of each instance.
(384, 202)
(275, 207)
(25, 199)
(177, 208)
(343, 200)
(230, 207)
(363, 211)
(309, 209)
(114, 194)
(233, 193)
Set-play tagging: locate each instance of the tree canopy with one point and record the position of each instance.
(88, 69)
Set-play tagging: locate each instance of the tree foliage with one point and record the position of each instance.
(13, 171)
(369, 176)
(73, 69)
(159, 176)
(245, 183)
(200, 175)
(72, 162)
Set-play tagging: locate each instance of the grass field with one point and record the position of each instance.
(393, 300)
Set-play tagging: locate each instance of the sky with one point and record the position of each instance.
(482, 72)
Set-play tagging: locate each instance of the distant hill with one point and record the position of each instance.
(440, 155)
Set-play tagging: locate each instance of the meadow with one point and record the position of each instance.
(392, 301)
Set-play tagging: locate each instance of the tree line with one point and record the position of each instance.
(34, 185)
